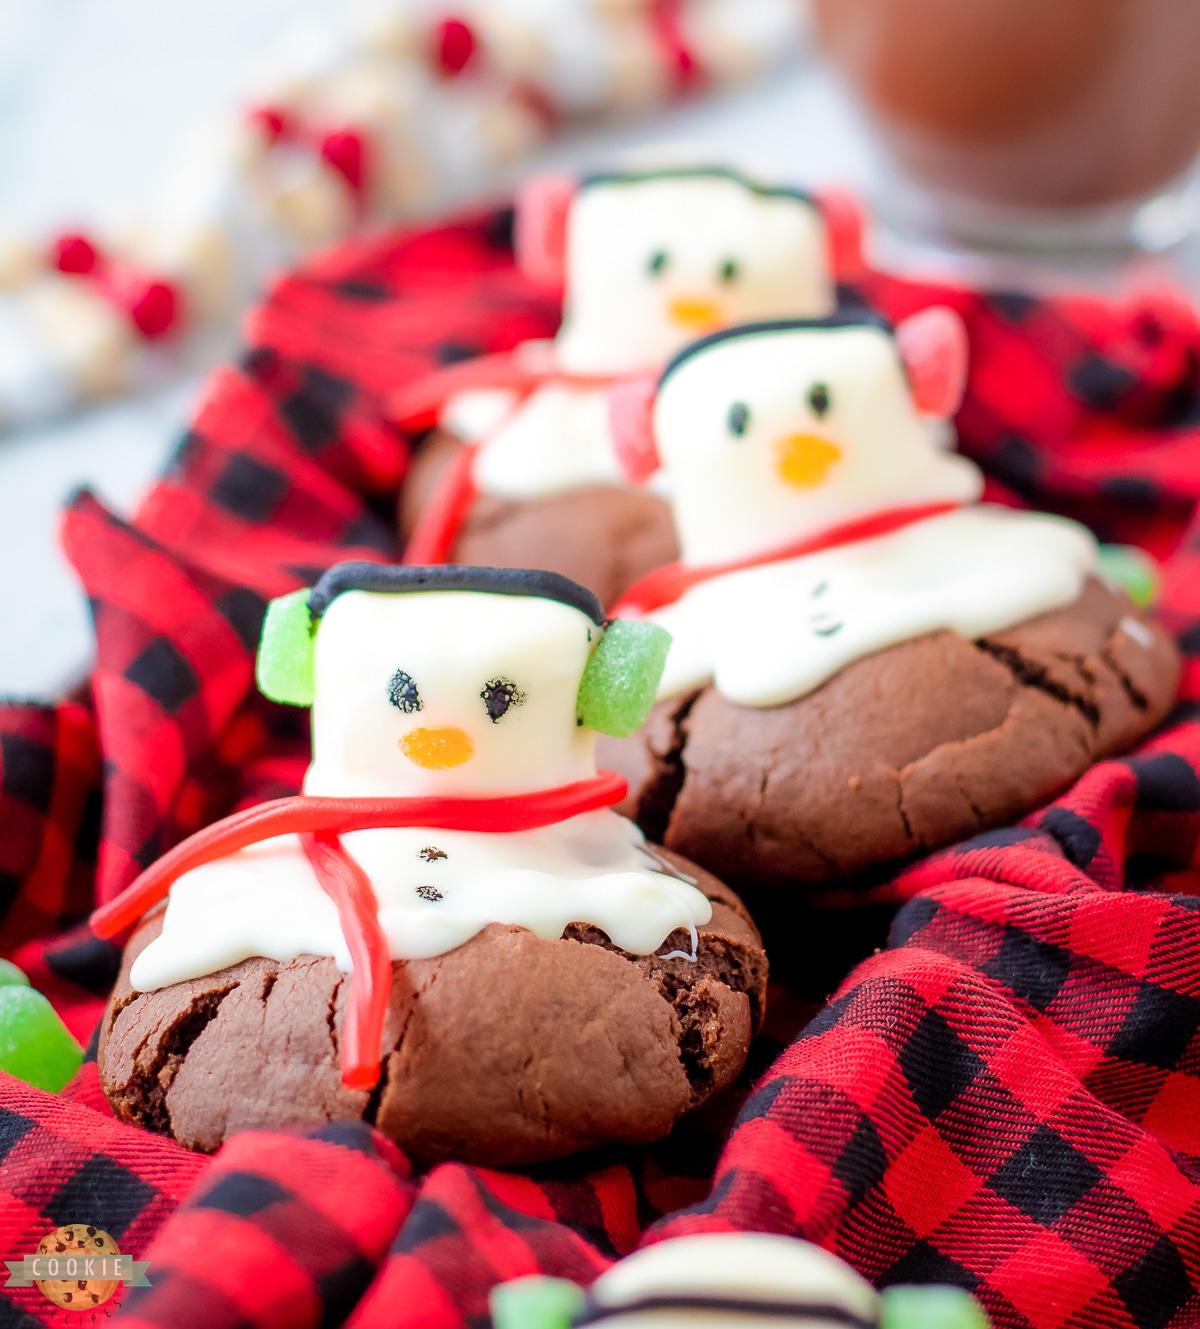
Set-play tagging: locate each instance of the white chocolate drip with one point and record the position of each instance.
(770, 634)
(266, 901)
(556, 441)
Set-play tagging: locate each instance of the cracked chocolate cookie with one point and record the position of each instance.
(507, 1050)
(900, 752)
(605, 537)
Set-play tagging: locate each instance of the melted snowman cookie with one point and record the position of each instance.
(492, 965)
(866, 662)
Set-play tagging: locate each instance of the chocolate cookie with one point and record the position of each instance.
(901, 752)
(604, 537)
(507, 1050)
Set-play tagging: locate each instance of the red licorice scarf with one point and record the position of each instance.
(665, 585)
(320, 822)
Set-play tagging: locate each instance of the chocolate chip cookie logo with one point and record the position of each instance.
(78, 1268)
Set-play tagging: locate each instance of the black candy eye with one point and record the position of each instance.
(499, 696)
(729, 270)
(658, 261)
(403, 694)
(739, 418)
(818, 399)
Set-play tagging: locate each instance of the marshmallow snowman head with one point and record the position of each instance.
(652, 260)
(452, 680)
(774, 432)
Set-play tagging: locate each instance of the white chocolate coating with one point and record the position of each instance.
(473, 414)
(770, 634)
(592, 868)
(729, 254)
(730, 498)
(736, 1266)
(557, 440)
(265, 900)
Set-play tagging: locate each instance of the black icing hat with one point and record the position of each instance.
(386, 577)
(850, 314)
(698, 172)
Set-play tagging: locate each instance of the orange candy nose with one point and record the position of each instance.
(437, 749)
(802, 460)
(696, 313)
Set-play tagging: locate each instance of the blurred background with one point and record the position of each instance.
(160, 158)
(100, 99)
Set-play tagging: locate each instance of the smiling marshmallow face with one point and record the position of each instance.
(447, 692)
(654, 263)
(768, 437)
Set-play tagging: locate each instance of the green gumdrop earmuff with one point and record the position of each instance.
(931, 1306)
(284, 670)
(622, 677)
(1133, 570)
(535, 1302)
(615, 695)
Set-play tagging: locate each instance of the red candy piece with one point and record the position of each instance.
(75, 254)
(153, 307)
(273, 122)
(454, 45)
(346, 152)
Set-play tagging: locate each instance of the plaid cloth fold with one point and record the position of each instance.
(1008, 1097)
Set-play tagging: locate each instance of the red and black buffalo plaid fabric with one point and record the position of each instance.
(1007, 1097)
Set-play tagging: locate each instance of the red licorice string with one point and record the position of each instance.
(414, 407)
(665, 585)
(302, 815)
(442, 517)
(370, 985)
(453, 46)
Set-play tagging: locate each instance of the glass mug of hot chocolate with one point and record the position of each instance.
(1028, 126)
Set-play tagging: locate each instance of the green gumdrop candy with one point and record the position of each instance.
(622, 677)
(9, 973)
(34, 1043)
(285, 653)
(535, 1303)
(1133, 570)
(931, 1307)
